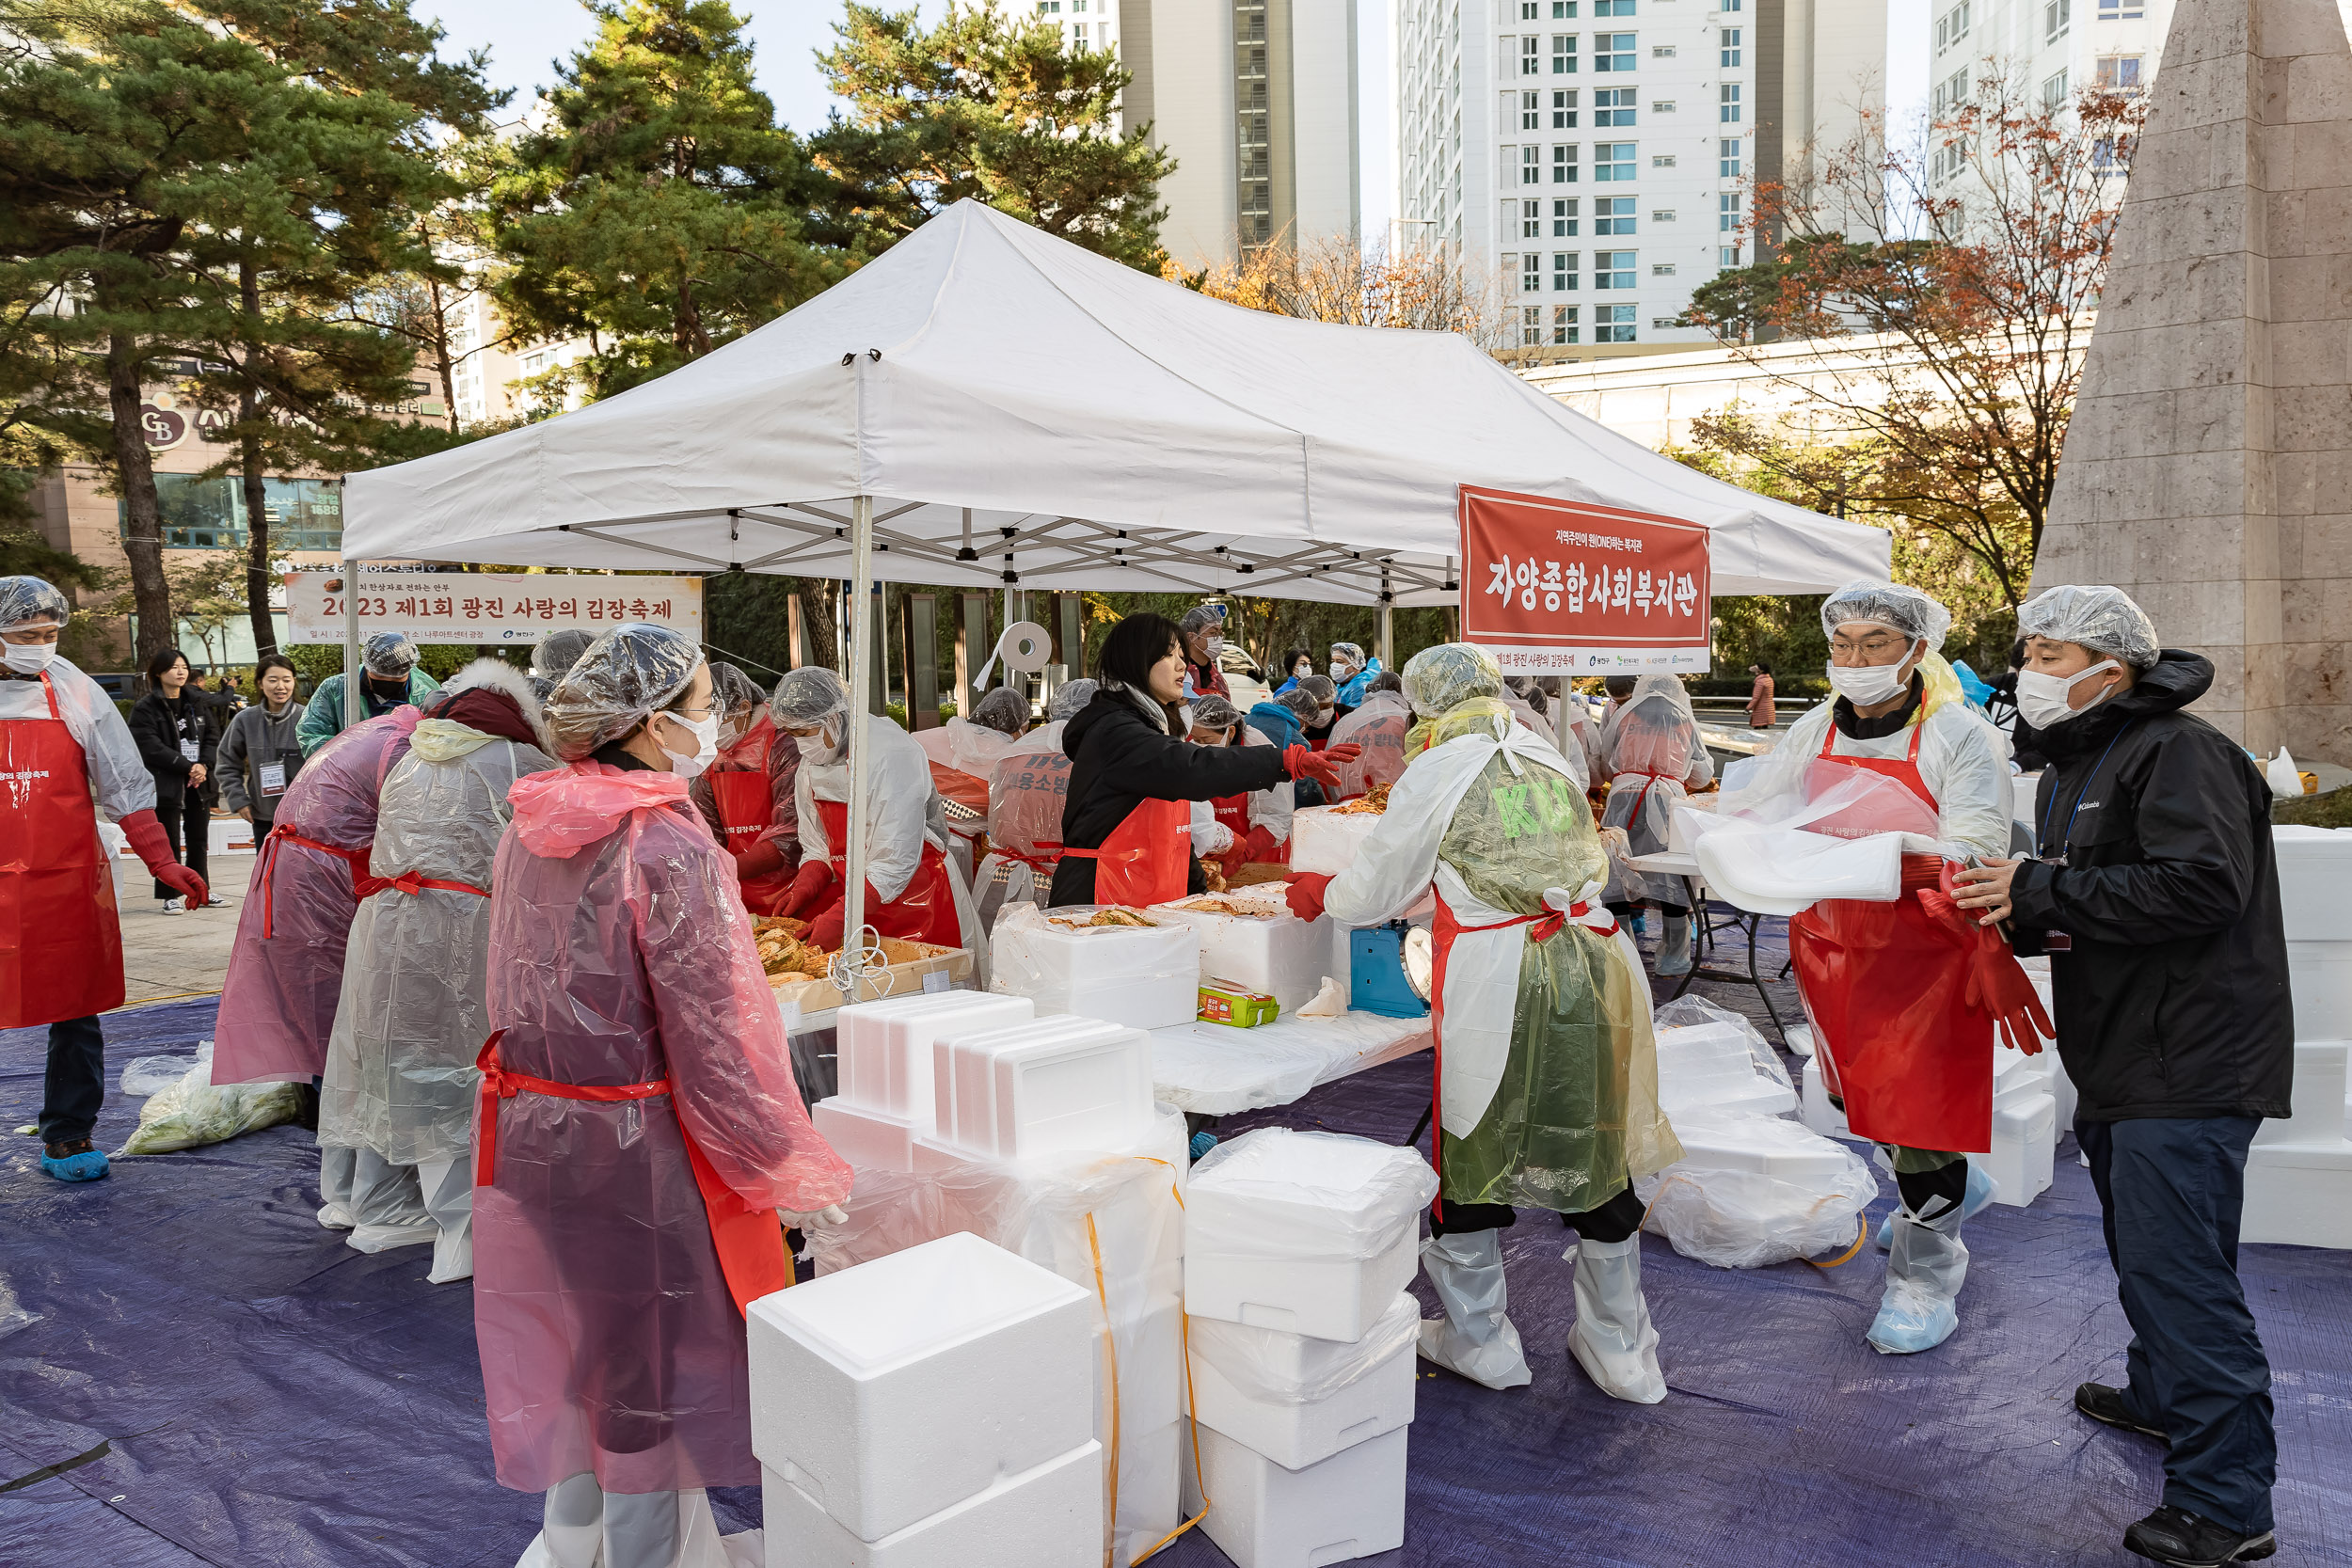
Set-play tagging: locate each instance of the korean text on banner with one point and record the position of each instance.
(487, 607)
(1561, 588)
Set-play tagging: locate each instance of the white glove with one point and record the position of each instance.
(831, 1213)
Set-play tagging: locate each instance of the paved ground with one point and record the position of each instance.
(182, 954)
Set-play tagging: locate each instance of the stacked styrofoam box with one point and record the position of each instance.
(1143, 977)
(1820, 1114)
(1766, 1146)
(1326, 840)
(1276, 952)
(2299, 1174)
(1298, 1248)
(929, 1407)
(886, 1099)
(1045, 1087)
(1710, 1064)
(2025, 1126)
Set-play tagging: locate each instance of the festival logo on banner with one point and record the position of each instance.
(1563, 587)
(485, 607)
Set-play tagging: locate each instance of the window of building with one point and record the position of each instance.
(1612, 106)
(1077, 5)
(2105, 159)
(1564, 164)
(1727, 104)
(1614, 269)
(1562, 271)
(1730, 4)
(1048, 8)
(1727, 256)
(1531, 55)
(2119, 11)
(1564, 220)
(1564, 10)
(2054, 91)
(1531, 220)
(1564, 326)
(1661, 214)
(1613, 8)
(1951, 26)
(1563, 54)
(2118, 73)
(1661, 160)
(1612, 214)
(1728, 40)
(1728, 158)
(1531, 272)
(1664, 323)
(1612, 160)
(209, 513)
(2057, 17)
(1528, 9)
(1662, 51)
(1662, 269)
(1613, 324)
(1564, 110)
(1531, 166)
(1531, 111)
(1951, 92)
(1727, 211)
(1613, 51)
(1530, 325)
(1078, 34)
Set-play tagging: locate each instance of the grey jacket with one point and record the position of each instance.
(253, 738)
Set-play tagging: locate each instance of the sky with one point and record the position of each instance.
(526, 36)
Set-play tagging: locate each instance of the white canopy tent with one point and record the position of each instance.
(988, 407)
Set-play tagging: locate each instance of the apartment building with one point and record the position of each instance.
(2055, 48)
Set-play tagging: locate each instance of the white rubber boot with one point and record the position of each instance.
(1613, 1339)
(1674, 946)
(1475, 1338)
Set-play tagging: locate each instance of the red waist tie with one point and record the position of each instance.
(362, 883)
(750, 1242)
(1035, 863)
(1547, 924)
(412, 884)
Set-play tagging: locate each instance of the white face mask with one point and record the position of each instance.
(1339, 670)
(818, 747)
(2042, 699)
(705, 745)
(1302, 670)
(29, 658)
(1324, 717)
(1868, 684)
(1212, 647)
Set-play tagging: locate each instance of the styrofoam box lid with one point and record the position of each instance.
(975, 1011)
(1090, 1033)
(1731, 1142)
(2315, 891)
(1707, 1042)
(1279, 1188)
(857, 1016)
(906, 1306)
(994, 1040)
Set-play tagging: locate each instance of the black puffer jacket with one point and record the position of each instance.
(2172, 1001)
(1119, 759)
(159, 724)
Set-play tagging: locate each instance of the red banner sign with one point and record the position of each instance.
(1562, 588)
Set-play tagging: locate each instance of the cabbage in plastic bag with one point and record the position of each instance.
(146, 1075)
(192, 1111)
(1739, 1219)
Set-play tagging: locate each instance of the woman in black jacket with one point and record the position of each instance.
(1128, 746)
(173, 727)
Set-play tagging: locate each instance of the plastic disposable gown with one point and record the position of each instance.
(619, 955)
(1378, 726)
(277, 1005)
(1654, 754)
(903, 811)
(400, 1067)
(968, 748)
(1547, 1068)
(1225, 827)
(1026, 792)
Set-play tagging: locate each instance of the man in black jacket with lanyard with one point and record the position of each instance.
(2156, 897)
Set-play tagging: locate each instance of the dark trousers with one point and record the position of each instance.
(189, 827)
(1613, 1221)
(75, 1084)
(2170, 1191)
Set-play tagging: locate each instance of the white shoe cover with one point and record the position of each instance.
(1612, 1337)
(390, 1238)
(448, 1188)
(1674, 947)
(334, 1216)
(335, 1168)
(585, 1528)
(1926, 1265)
(1476, 1337)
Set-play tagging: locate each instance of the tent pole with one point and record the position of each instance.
(1388, 623)
(862, 650)
(354, 701)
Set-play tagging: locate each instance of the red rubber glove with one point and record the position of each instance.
(149, 841)
(1304, 892)
(760, 860)
(1304, 762)
(809, 890)
(825, 930)
(1264, 848)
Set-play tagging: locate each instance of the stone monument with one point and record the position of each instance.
(2208, 470)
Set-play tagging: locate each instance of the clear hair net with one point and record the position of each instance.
(1887, 604)
(1004, 710)
(626, 676)
(1202, 617)
(31, 602)
(734, 693)
(1386, 680)
(1069, 698)
(1449, 674)
(2104, 619)
(388, 656)
(1301, 701)
(1323, 689)
(558, 651)
(1213, 712)
(806, 697)
(1349, 652)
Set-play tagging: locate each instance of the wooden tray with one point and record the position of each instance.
(909, 963)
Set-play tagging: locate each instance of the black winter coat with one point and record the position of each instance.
(1119, 759)
(2172, 999)
(159, 725)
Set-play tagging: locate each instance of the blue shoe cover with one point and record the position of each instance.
(1981, 1190)
(1912, 1319)
(1202, 1143)
(88, 1165)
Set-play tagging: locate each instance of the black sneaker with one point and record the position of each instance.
(2186, 1540)
(2102, 1403)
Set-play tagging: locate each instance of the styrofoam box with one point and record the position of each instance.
(1144, 978)
(1050, 1516)
(900, 1387)
(2024, 1144)
(869, 1140)
(1800, 1037)
(1046, 1086)
(1710, 1064)
(1326, 840)
(1820, 1114)
(2317, 1097)
(1766, 1144)
(1297, 1436)
(1351, 1505)
(886, 1062)
(1150, 1350)
(2319, 984)
(2314, 882)
(2297, 1195)
(963, 1089)
(1316, 1290)
(1152, 1470)
(1285, 957)
(1325, 1298)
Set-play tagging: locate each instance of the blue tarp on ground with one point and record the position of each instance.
(267, 1396)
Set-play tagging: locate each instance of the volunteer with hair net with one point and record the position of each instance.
(977, 744)
(1202, 630)
(1316, 730)
(555, 654)
(2156, 897)
(1904, 997)
(388, 677)
(1378, 726)
(1026, 791)
(640, 1142)
(400, 1080)
(1283, 722)
(62, 742)
(736, 793)
(1653, 754)
(913, 890)
(1249, 825)
(1547, 1090)
(1351, 672)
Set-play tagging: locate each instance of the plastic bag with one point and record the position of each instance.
(1748, 1219)
(1330, 1001)
(2280, 775)
(1684, 1012)
(1293, 1369)
(143, 1076)
(192, 1112)
(1279, 1192)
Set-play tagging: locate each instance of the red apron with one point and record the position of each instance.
(926, 912)
(750, 1242)
(60, 941)
(1147, 859)
(746, 803)
(1904, 1039)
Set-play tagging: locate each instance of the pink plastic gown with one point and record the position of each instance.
(620, 953)
(277, 1005)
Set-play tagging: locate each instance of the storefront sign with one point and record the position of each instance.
(1561, 588)
(487, 607)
